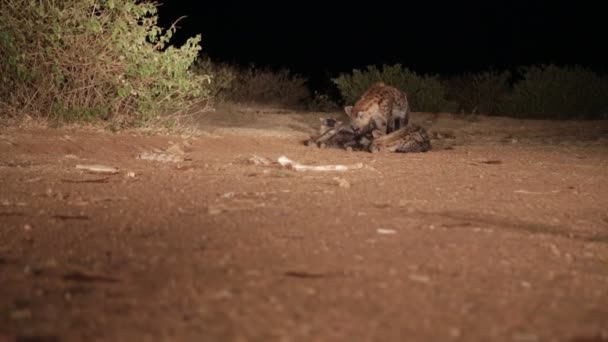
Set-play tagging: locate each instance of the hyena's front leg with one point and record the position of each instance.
(404, 119)
(399, 120)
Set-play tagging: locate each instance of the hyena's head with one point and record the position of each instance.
(360, 119)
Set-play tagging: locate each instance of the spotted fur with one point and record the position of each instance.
(381, 109)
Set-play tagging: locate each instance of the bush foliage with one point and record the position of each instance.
(254, 85)
(81, 59)
(220, 79)
(543, 91)
(322, 103)
(549, 91)
(267, 86)
(481, 92)
(108, 59)
(425, 93)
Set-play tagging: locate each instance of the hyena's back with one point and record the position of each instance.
(382, 106)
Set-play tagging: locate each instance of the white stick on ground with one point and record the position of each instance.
(97, 168)
(286, 162)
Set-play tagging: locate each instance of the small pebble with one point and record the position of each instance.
(555, 250)
(343, 183)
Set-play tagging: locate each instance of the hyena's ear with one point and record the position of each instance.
(348, 110)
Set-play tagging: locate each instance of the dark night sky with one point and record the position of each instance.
(429, 37)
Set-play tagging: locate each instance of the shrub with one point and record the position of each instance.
(481, 92)
(80, 59)
(221, 77)
(549, 91)
(266, 86)
(425, 93)
(321, 103)
(252, 84)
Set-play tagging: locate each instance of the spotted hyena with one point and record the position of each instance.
(380, 110)
(334, 134)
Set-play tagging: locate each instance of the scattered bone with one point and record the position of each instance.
(218, 209)
(228, 195)
(288, 163)
(7, 203)
(97, 168)
(257, 160)
(420, 278)
(386, 231)
(78, 203)
(214, 210)
(160, 157)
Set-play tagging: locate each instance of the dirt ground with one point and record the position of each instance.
(500, 233)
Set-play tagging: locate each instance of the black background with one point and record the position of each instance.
(446, 37)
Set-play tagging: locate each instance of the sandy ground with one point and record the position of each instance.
(500, 233)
